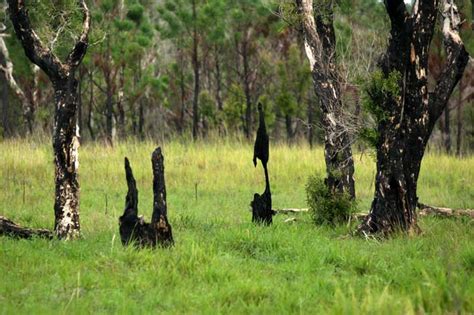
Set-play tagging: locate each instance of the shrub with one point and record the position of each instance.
(326, 207)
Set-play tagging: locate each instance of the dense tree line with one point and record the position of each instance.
(197, 68)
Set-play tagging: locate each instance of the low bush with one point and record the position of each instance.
(325, 207)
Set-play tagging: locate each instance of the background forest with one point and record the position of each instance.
(195, 68)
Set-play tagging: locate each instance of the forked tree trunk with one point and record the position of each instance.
(409, 117)
(65, 142)
(320, 47)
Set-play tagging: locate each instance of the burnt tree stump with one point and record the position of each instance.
(133, 228)
(262, 204)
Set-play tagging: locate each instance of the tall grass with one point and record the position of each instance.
(221, 262)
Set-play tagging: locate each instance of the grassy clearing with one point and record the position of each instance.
(221, 262)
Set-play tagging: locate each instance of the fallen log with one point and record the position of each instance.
(290, 210)
(426, 210)
(10, 228)
(133, 228)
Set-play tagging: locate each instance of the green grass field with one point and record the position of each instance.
(222, 263)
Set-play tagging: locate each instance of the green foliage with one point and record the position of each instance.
(135, 13)
(234, 106)
(370, 136)
(327, 208)
(379, 91)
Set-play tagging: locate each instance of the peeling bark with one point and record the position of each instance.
(133, 229)
(320, 45)
(411, 116)
(65, 137)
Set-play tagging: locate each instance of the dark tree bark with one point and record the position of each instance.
(218, 78)
(320, 46)
(65, 142)
(262, 204)
(410, 117)
(133, 228)
(246, 83)
(447, 130)
(4, 99)
(91, 105)
(311, 125)
(80, 118)
(195, 58)
(10, 228)
(120, 104)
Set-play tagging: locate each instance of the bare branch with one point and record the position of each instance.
(80, 48)
(8, 71)
(456, 61)
(35, 50)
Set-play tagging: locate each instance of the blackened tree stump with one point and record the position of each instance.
(133, 228)
(262, 204)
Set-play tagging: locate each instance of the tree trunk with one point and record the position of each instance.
(447, 130)
(220, 106)
(459, 116)
(141, 119)
(310, 123)
(109, 112)
(91, 105)
(290, 133)
(79, 108)
(320, 47)
(411, 111)
(196, 75)
(120, 104)
(4, 99)
(246, 82)
(65, 145)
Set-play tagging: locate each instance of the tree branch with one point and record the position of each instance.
(75, 56)
(34, 48)
(456, 61)
(37, 52)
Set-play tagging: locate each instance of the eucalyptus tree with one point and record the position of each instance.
(317, 25)
(62, 76)
(406, 108)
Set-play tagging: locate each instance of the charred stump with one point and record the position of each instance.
(262, 204)
(133, 228)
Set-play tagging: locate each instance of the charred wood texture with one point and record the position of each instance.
(262, 204)
(320, 47)
(133, 229)
(411, 116)
(65, 134)
(10, 228)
